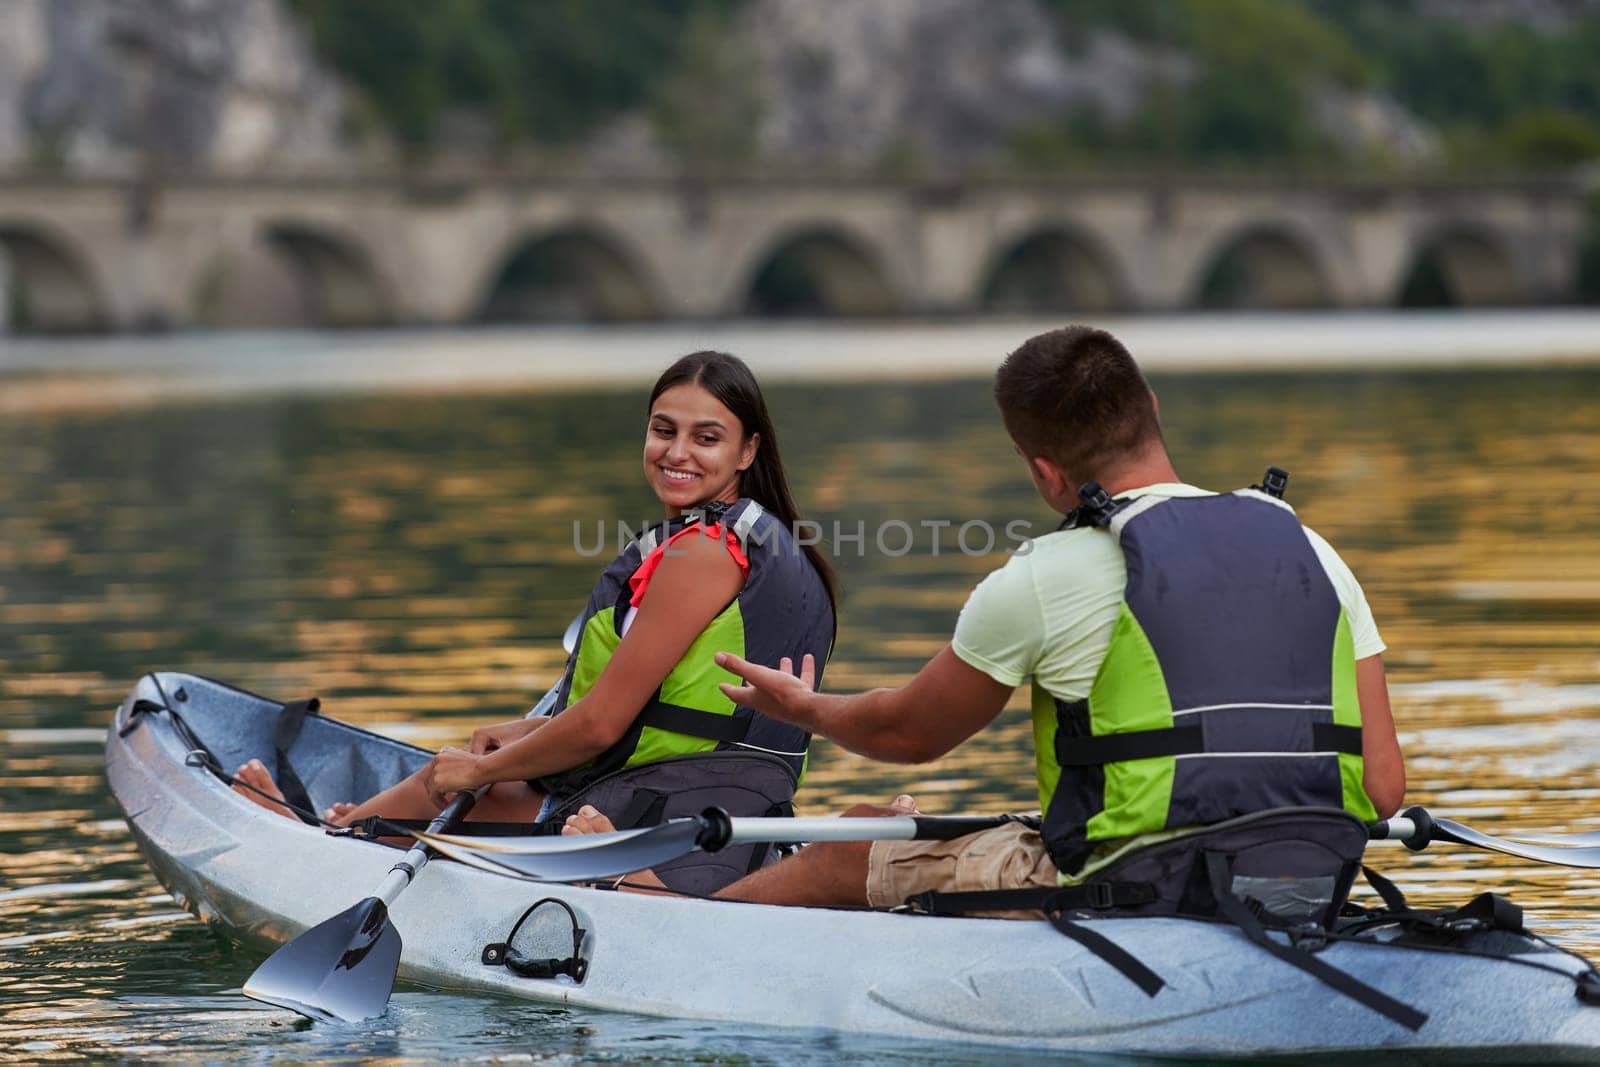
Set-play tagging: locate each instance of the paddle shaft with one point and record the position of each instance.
(1398, 828)
(742, 831)
(401, 874)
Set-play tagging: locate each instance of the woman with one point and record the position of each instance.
(641, 731)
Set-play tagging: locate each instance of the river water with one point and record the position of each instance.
(410, 557)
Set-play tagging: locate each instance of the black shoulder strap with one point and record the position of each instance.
(284, 733)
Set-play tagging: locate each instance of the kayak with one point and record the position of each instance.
(263, 879)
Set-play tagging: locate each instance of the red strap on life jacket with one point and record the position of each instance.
(641, 577)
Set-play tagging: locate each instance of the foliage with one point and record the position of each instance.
(705, 111)
(1503, 93)
(1237, 88)
(546, 71)
(1587, 283)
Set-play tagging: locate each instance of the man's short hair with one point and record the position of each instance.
(1076, 396)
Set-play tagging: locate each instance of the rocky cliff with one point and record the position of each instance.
(111, 86)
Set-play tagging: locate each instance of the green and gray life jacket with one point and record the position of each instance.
(783, 610)
(1229, 686)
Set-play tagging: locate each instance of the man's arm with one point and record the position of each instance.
(1384, 773)
(946, 703)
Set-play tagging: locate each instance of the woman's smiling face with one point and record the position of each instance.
(694, 449)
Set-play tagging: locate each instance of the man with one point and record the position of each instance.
(1229, 653)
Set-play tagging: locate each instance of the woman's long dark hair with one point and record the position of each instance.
(727, 378)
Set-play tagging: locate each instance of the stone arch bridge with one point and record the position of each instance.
(103, 254)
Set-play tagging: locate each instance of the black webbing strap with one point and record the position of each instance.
(1233, 909)
(1181, 741)
(1393, 898)
(694, 722)
(1333, 737)
(1493, 909)
(1098, 896)
(644, 809)
(1108, 950)
(284, 731)
(1137, 744)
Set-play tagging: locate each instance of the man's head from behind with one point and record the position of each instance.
(1078, 408)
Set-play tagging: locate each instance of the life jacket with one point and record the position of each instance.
(783, 610)
(1229, 687)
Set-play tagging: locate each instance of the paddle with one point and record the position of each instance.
(1416, 829)
(589, 856)
(584, 857)
(344, 968)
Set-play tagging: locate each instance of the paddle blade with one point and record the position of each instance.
(1582, 840)
(1587, 858)
(578, 858)
(340, 969)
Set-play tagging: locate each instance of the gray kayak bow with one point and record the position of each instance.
(344, 967)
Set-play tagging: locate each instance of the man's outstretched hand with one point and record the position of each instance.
(780, 693)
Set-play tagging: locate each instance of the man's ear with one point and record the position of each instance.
(1051, 476)
(1155, 402)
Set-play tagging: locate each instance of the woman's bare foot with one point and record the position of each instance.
(254, 773)
(589, 820)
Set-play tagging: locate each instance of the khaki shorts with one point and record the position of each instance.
(1007, 857)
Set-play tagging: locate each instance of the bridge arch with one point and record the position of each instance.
(576, 273)
(294, 273)
(1460, 265)
(1052, 268)
(1263, 265)
(819, 271)
(46, 284)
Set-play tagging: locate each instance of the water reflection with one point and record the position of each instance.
(410, 559)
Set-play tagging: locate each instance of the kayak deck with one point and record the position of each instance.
(263, 879)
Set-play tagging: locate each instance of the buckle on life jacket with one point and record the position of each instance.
(1096, 508)
(1273, 483)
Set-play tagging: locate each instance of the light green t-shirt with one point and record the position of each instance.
(1048, 613)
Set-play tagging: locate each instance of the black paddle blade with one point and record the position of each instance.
(340, 969)
(581, 858)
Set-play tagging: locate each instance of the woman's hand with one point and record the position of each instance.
(486, 739)
(451, 771)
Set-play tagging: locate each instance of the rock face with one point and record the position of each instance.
(108, 86)
(937, 80)
(121, 86)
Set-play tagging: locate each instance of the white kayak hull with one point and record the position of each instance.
(263, 879)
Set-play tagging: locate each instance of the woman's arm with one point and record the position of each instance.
(695, 582)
